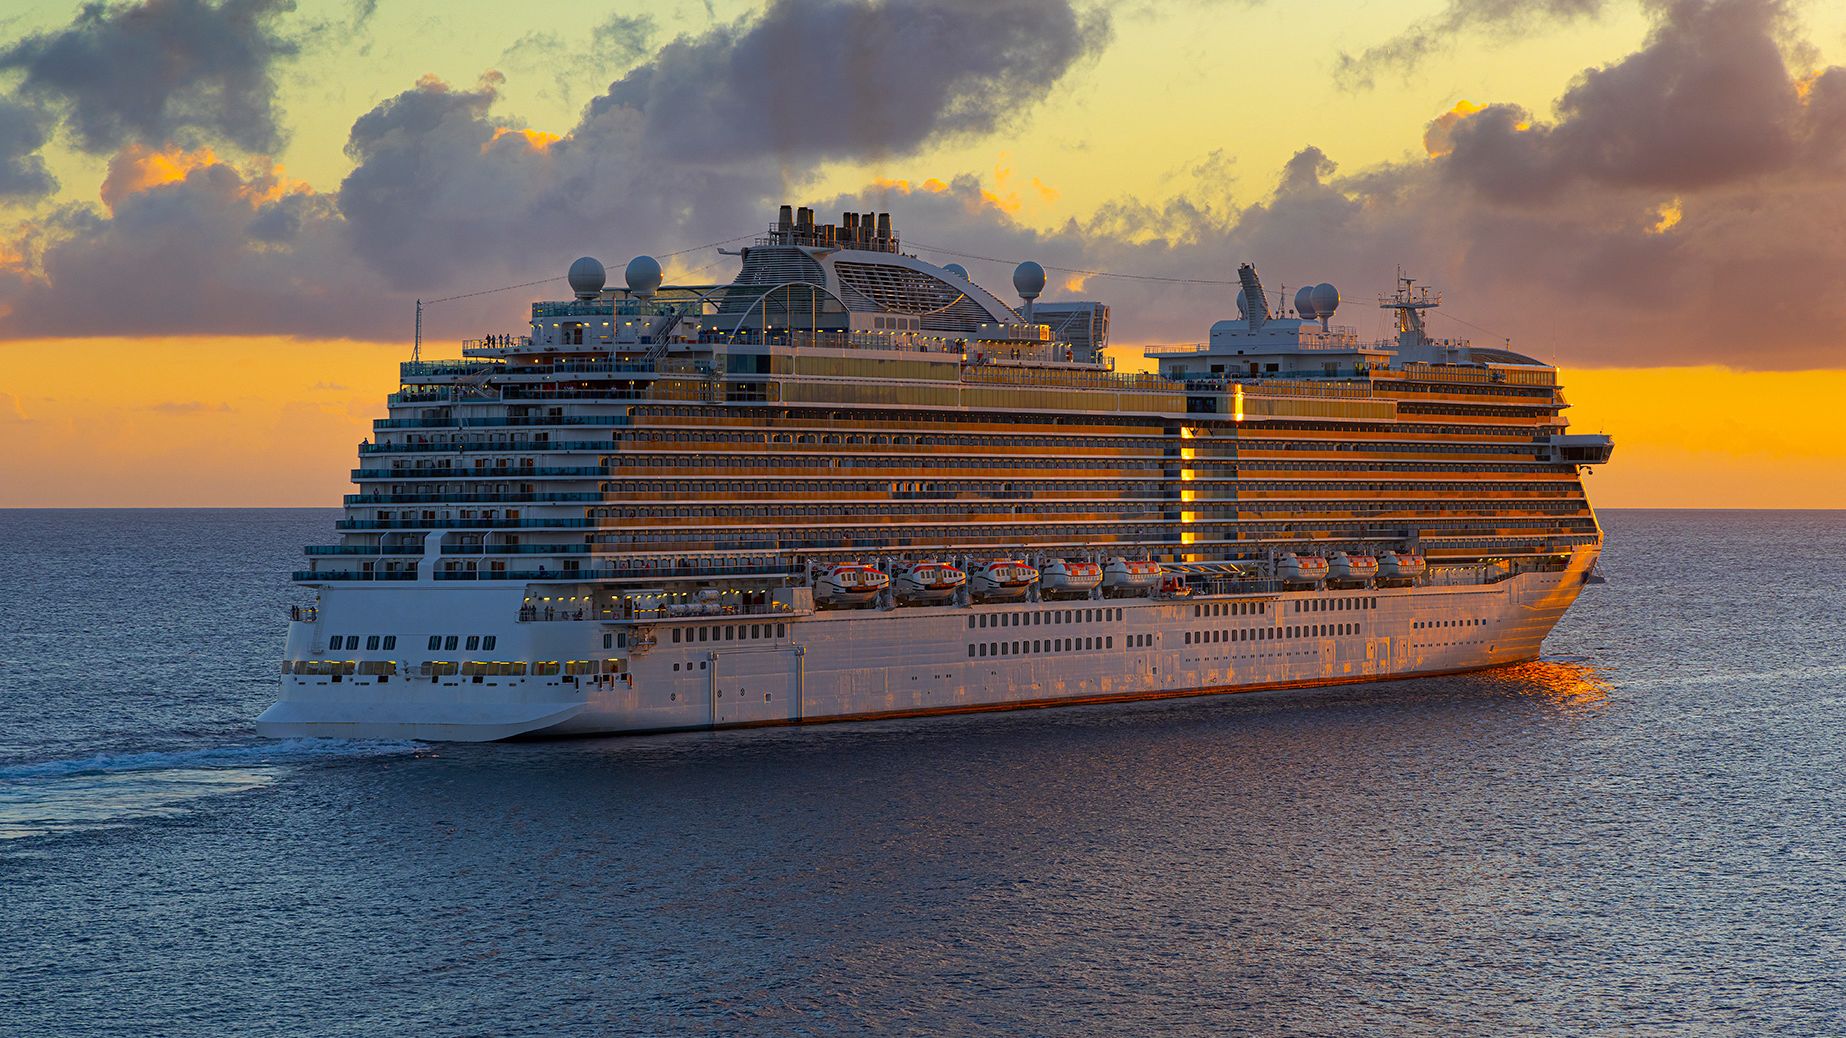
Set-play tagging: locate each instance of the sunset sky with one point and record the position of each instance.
(215, 217)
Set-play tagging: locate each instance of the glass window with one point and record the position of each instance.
(778, 630)
(1108, 642)
(488, 642)
(450, 642)
(371, 642)
(390, 641)
(730, 633)
(676, 634)
(435, 641)
(474, 642)
(336, 641)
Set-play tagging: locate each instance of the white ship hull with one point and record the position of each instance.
(834, 666)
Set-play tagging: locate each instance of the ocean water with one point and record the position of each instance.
(1642, 834)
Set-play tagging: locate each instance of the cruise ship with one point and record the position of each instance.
(854, 484)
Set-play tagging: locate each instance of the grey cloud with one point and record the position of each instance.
(1408, 49)
(23, 173)
(1612, 234)
(839, 78)
(1708, 99)
(160, 70)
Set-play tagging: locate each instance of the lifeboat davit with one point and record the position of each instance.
(1001, 579)
(1175, 587)
(1301, 569)
(1122, 577)
(849, 585)
(1352, 569)
(1401, 566)
(1062, 578)
(927, 581)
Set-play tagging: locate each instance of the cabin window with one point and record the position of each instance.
(474, 642)
(435, 641)
(488, 642)
(371, 642)
(390, 641)
(450, 642)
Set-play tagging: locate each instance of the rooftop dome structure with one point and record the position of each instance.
(587, 277)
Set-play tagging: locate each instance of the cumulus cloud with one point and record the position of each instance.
(1620, 228)
(842, 78)
(1408, 49)
(160, 70)
(23, 131)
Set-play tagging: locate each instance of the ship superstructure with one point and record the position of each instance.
(852, 483)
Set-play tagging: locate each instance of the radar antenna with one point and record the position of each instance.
(1410, 300)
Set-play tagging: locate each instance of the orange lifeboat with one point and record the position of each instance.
(1062, 578)
(1401, 566)
(849, 585)
(1003, 579)
(1352, 569)
(1122, 577)
(927, 581)
(1301, 569)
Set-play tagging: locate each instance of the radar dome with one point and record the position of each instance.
(1243, 304)
(643, 275)
(586, 277)
(1304, 303)
(957, 269)
(1029, 279)
(1326, 300)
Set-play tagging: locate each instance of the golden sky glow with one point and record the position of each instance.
(1202, 100)
(238, 422)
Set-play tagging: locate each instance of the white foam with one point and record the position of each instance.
(281, 751)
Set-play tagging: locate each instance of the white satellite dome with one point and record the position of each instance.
(1243, 304)
(587, 277)
(1326, 300)
(1304, 303)
(956, 269)
(1029, 279)
(643, 275)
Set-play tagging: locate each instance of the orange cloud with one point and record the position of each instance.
(1667, 216)
(1437, 139)
(904, 187)
(137, 168)
(537, 140)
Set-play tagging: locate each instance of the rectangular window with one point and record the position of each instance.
(435, 641)
(371, 642)
(1108, 641)
(390, 641)
(704, 634)
(450, 642)
(488, 642)
(778, 630)
(971, 623)
(730, 633)
(474, 642)
(676, 634)
(335, 642)
(970, 651)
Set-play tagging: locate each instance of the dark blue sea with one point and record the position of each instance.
(1644, 834)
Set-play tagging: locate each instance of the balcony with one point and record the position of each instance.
(458, 524)
(464, 499)
(518, 420)
(467, 473)
(522, 446)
